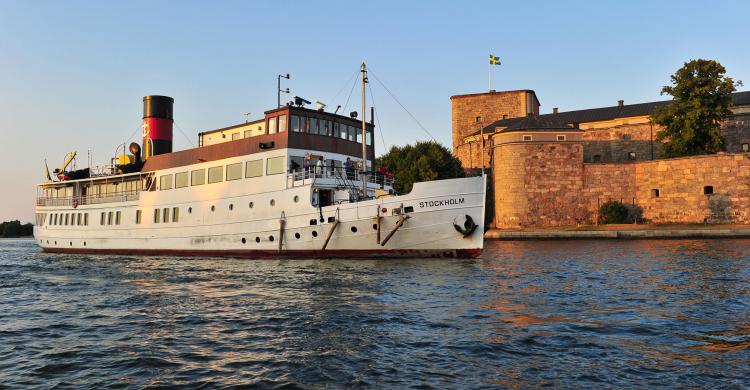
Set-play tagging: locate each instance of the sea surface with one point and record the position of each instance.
(575, 314)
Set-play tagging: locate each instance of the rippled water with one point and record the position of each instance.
(527, 314)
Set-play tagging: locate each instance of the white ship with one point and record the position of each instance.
(298, 183)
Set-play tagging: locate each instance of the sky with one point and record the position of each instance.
(73, 73)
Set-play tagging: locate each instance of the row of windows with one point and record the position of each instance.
(65, 219)
(303, 124)
(707, 190)
(254, 168)
(529, 137)
(110, 218)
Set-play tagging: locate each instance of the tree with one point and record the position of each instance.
(15, 229)
(701, 95)
(423, 161)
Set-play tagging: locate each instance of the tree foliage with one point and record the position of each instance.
(13, 229)
(423, 161)
(613, 212)
(701, 95)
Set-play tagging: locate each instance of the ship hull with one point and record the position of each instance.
(430, 221)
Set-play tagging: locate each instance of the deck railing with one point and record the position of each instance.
(341, 174)
(76, 201)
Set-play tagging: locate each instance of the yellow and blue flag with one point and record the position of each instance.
(494, 60)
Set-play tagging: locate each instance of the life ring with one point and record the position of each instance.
(75, 203)
(467, 227)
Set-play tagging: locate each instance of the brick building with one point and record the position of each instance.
(556, 169)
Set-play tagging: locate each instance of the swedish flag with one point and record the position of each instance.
(494, 60)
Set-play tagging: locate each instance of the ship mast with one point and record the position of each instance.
(363, 172)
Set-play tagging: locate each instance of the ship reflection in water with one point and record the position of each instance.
(527, 314)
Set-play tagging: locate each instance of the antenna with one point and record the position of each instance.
(279, 90)
(247, 115)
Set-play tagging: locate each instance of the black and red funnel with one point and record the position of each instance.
(157, 125)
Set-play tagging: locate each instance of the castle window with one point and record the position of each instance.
(655, 193)
(597, 158)
(631, 156)
(708, 190)
(561, 137)
(746, 147)
(527, 137)
(478, 119)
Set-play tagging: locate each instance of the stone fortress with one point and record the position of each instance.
(556, 169)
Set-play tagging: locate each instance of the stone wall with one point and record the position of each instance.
(681, 181)
(470, 154)
(539, 184)
(613, 144)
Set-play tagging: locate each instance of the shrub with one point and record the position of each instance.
(613, 212)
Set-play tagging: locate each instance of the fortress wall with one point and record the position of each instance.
(539, 184)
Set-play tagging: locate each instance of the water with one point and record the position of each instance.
(598, 314)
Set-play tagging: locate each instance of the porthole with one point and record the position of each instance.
(296, 198)
(213, 208)
(273, 202)
(296, 235)
(257, 239)
(244, 240)
(250, 205)
(314, 233)
(231, 207)
(374, 226)
(354, 229)
(55, 242)
(270, 238)
(84, 243)
(190, 210)
(71, 243)
(47, 242)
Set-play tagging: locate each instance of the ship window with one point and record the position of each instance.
(181, 180)
(86, 219)
(198, 177)
(296, 198)
(165, 217)
(273, 202)
(354, 229)
(236, 136)
(175, 214)
(234, 171)
(295, 123)
(325, 127)
(359, 136)
(342, 131)
(66, 220)
(165, 182)
(305, 124)
(352, 133)
(254, 168)
(296, 163)
(102, 219)
(275, 165)
(314, 126)
(215, 174)
(78, 219)
(282, 123)
(117, 217)
(109, 218)
(369, 138)
(156, 215)
(272, 125)
(137, 217)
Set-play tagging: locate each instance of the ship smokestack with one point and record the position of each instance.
(157, 125)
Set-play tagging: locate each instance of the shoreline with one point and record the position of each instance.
(624, 232)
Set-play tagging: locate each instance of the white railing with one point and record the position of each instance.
(124, 196)
(341, 174)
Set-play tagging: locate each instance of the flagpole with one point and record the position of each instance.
(489, 74)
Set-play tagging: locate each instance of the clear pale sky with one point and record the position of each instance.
(73, 73)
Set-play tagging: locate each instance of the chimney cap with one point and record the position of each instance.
(620, 103)
(554, 110)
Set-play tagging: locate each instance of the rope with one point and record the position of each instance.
(350, 94)
(402, 106)
(342, 87)
(185, 135)
(374, 117)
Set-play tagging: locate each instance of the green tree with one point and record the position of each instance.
(423, 161)
(701, 96)
(15, 229)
